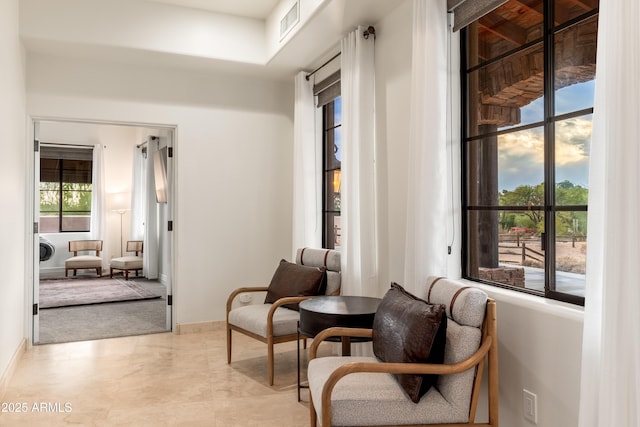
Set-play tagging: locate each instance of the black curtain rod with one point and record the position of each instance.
(62, 144)
(153, 138)
(370, 31)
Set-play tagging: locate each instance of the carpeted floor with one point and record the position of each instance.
(107, 320)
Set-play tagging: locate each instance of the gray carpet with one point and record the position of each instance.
(108, 320)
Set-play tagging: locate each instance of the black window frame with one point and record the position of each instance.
(550, 208)
(67, 156)
(329, 128)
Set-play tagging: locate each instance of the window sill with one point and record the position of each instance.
(531, 302)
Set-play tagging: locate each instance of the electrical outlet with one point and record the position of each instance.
(246, 298)
(530, 406)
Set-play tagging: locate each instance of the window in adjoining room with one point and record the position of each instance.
(65, 189)
(528, 80)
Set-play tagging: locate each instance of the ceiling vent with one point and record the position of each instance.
(290, 20)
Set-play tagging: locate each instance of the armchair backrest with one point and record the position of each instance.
(328, 258)
(465, 308)
(76, 246)
(135, 246)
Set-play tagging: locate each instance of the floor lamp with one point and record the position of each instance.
(120, 203)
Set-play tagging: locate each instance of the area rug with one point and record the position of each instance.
(69, 292)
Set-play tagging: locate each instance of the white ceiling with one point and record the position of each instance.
(45, 30)
(258, 9)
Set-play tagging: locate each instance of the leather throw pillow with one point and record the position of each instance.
(407, 329)
(293, 280)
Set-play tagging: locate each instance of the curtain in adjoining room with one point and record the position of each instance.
(98, 206)
(150, 258)
(307, 219)
(427, 202)
(358, 210)
(138, 193)
(610, 383)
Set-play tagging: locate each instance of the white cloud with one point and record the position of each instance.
(521, 154)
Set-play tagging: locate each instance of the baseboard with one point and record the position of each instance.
(164, 279)
(51, 273)
(199, 327)
(11, 368)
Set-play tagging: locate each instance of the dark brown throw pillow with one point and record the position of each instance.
(407, 329)
(293, 280)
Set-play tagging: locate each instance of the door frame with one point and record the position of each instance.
(32, 201)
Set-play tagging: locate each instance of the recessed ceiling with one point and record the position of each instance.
(258, 9)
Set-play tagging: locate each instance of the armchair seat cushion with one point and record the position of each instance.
(83, 261)
(253, 318)
(127, 263)
(377, 399)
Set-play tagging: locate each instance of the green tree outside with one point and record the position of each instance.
(567, 194)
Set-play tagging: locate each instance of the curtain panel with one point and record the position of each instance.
(358, 187)
(427, 216)
(307, 158)
(98, 198)
(150, 263)
(610, 381)
(138, 193)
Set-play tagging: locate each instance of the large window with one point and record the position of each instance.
(528, 79)
(65, 189)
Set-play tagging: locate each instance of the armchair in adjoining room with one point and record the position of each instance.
(401, 384)
(84, 262)
(130, 262)
(316, 272)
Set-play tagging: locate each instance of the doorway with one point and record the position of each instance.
(131, 199)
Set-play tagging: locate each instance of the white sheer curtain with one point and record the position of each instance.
(359, 228)
(307, 215)
(138, 194)
(150, 258)
(427, 216)
(610, 383)
(98, 198)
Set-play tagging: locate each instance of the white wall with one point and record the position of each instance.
(539, 340)
(233, 161)
(12, 162)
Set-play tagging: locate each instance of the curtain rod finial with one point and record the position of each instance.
(369, 31)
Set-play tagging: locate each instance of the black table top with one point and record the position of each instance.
(341, 305)
(320, 313)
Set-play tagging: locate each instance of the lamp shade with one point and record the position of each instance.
(119, 202)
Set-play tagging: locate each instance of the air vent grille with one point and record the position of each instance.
(290, 20)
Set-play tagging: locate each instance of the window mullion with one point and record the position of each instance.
(549, 149)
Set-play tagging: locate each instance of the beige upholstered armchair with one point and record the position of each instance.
(130, 262)
(276, 320)
(84, 262)
(345, 393)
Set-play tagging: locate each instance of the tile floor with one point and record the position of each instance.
(155, 380)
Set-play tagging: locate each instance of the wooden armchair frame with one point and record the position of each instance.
(285, 320)
(488, 351)
(129, 263)
(76, 246)
(270, 340)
